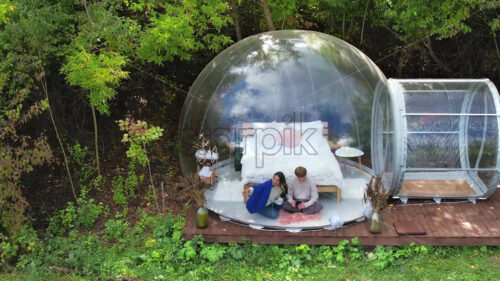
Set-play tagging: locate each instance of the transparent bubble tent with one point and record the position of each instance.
(281, 99)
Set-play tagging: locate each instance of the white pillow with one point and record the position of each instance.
(267, 136)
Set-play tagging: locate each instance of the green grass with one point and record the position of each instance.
(458, 264)
(153, 249)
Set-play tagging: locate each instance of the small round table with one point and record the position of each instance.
(347, 152)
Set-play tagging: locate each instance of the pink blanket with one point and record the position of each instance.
(285, 217)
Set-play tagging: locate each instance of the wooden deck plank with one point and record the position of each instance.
(356, 230)
(388, 217)
(444, 214)
(436, 226)
(488, 210)
(495, 201)
(471, 220)
(489, 219)
(495, 197)
(189, 230)
(410, 214)
(416, 211)
(449, 215)
(449, 224)
(421, 218)
(493, 226)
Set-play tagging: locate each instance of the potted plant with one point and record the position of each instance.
(377, 196)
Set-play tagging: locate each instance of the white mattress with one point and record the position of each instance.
(264, 156)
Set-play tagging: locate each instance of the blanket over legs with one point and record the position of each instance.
(258, 199)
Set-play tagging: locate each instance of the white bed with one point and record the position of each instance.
(272, 147)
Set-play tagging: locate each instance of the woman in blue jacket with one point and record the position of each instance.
(267, 197)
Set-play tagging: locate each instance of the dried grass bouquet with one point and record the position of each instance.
(196, 187)
(375, 194)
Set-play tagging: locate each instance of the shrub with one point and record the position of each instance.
(22, 242)
(115, 229)
(88, 212)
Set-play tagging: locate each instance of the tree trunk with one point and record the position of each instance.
(496, 45)
(151, 178)
(428, 45)
(343, 24)
(96, 138)
(96, 141)
(236, 19)
(46, 91)
(363, 25)
(267, 15)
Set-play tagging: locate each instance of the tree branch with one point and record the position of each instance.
(428, 45)
(363, 25)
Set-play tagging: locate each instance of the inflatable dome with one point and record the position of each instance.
(273, 102)
(285, 77)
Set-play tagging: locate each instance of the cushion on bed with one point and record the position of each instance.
(290, 137)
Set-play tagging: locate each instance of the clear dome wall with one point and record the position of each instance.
(282, 76)
(445, 130)
(384, 150)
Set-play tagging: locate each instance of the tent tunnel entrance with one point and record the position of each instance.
(437, 138)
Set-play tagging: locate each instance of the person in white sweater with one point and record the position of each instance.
(302, 194)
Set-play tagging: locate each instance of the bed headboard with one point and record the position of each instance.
(248, 129)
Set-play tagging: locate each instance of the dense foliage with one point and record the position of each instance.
(153, 249)
(70, 69)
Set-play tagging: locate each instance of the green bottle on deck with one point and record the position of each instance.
(201, 217)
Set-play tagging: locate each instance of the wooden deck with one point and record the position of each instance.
(446, 224)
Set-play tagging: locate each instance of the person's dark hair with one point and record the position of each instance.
(284, 187)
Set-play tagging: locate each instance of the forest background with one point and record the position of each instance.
(75, 76)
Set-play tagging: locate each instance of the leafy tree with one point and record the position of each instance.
(418, 21)
(27, 49)
(5, 9)
(96, 73)
(494, 23)
(106, 43)
(91, 66)
(177, 31)
(19, 154)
